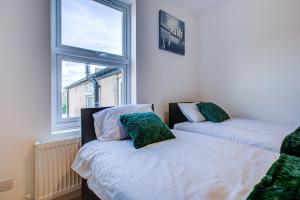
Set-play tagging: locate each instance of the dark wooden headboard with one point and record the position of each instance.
(88, 134)
(175, 114)
(87, 124)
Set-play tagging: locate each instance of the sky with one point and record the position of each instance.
(90, 25)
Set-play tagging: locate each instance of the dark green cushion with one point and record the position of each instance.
(145, 128)
(291, 144)
(212, 112)
(282, 181)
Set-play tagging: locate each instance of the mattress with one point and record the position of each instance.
(245, 131)
(192, 166)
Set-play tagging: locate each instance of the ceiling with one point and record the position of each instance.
(197, 6)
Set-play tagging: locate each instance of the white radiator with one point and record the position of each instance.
(53, 159)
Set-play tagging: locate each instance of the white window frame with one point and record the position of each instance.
(60, 52)
(87, 99)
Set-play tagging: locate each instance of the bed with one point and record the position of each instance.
(242, 130)
(192, 166)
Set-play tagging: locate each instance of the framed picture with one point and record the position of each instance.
(171, 33)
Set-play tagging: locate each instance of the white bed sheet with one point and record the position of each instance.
(192, 166)
(256, 133)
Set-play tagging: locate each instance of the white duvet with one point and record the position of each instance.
(245, 131)
(192, 166)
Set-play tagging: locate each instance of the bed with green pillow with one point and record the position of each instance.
(156, 159)
(221, 124)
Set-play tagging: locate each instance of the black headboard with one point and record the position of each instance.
(87, 124)
(175, 114)
(88, 134)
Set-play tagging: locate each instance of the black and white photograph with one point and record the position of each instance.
(171, 33)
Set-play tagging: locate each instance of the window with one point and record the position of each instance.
(90, 57)
(88, 24)
(90, 101)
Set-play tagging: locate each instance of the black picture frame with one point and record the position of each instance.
(171, 33)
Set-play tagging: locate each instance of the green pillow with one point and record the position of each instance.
(145, 128)
(212, 112)
(291, 144)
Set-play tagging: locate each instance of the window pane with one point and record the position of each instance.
(91, 25)
(85, 85)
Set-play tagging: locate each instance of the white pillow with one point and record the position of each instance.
(191, 112)
(107, 124)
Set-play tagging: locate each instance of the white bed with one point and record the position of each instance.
(245, 131)
(192, 166)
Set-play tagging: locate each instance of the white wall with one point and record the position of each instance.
(249, 58)
(162, 76)
(247, 54)
(25, 89)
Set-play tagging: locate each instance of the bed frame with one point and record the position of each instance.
(88, 134)
(175, 114)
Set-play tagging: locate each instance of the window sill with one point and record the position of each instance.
(67, 132)
(60, 136)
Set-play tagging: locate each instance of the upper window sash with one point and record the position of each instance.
(71, 50)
